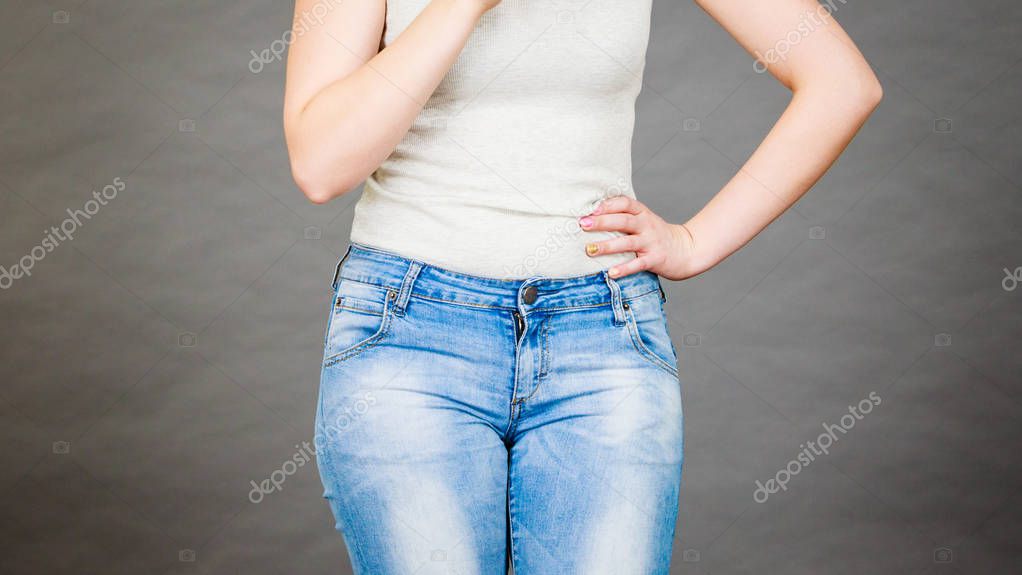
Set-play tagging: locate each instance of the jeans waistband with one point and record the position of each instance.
(412, 278)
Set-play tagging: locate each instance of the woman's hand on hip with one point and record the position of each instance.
(663, 248)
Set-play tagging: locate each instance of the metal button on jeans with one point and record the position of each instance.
(529, 295)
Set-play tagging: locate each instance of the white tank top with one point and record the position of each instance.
(529, 130)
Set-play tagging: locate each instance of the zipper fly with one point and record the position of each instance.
(519, 326)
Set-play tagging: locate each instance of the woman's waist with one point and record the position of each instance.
(506, 240)
(385, 268)
(507, 246)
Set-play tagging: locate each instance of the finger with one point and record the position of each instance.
(616, 245)
(610, 223)
(619, 204)
(630, 267)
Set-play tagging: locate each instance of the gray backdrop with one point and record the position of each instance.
(165, 353)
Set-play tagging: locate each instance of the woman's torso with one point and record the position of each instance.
(531, 127)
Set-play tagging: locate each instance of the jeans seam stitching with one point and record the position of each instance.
(498, 307)
(510, 519)
(644, 351)
(365, 344)
(540, 369)
(341, 305)
(464, 304)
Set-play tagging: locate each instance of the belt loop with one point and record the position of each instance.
(337, 270)
(406, 288)
(615, 299)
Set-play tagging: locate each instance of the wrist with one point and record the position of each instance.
(691, 255)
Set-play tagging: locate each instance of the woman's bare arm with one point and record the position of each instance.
(833, 92)
(346, 103)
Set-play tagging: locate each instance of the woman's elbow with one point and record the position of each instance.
(320, 187)
(855, 95)
(863, 90)
(316, 195)
(311, 185)
(871, 91)
(319, 178)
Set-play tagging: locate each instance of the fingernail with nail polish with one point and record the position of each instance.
(591, 249)
(586, 222)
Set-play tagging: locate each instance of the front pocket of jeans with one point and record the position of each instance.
(360, 319)
(647, 327)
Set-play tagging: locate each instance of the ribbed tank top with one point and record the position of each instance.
(527, 132)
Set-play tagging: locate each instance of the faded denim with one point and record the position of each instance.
(459, 427)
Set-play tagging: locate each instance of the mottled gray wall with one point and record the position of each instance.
(167, 355)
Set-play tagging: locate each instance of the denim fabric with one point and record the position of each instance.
(459, 426)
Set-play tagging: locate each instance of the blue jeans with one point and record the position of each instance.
(464, 421)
